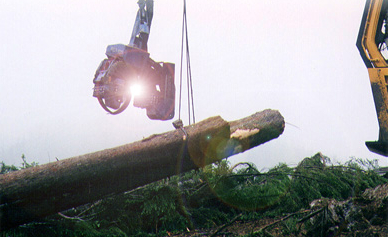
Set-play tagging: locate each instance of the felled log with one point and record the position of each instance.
(37, 192)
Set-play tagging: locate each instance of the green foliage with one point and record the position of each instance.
(248, 189)
(210, 197)
(7, 168)
(316, 178)
(162, 207)
(10, 168)
(26, 165)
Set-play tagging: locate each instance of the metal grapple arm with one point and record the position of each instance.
(142, 26)
(130, 66)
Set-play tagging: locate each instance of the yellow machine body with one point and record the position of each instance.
(371, 43)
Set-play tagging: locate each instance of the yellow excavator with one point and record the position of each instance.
(372, 43)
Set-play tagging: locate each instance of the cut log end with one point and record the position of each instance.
(254, 130)
(37, 192)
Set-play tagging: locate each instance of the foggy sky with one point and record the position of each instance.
(298, 57)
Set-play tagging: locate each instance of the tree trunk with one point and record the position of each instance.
(32, 193)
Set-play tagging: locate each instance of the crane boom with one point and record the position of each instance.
(142, 26)
(372, 44)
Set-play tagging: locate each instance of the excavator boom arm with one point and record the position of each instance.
(372, 43)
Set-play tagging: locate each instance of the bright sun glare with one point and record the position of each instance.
(136, 89)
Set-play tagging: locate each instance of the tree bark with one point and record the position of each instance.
(33, 193)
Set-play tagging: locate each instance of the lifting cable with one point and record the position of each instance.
(190, 96)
